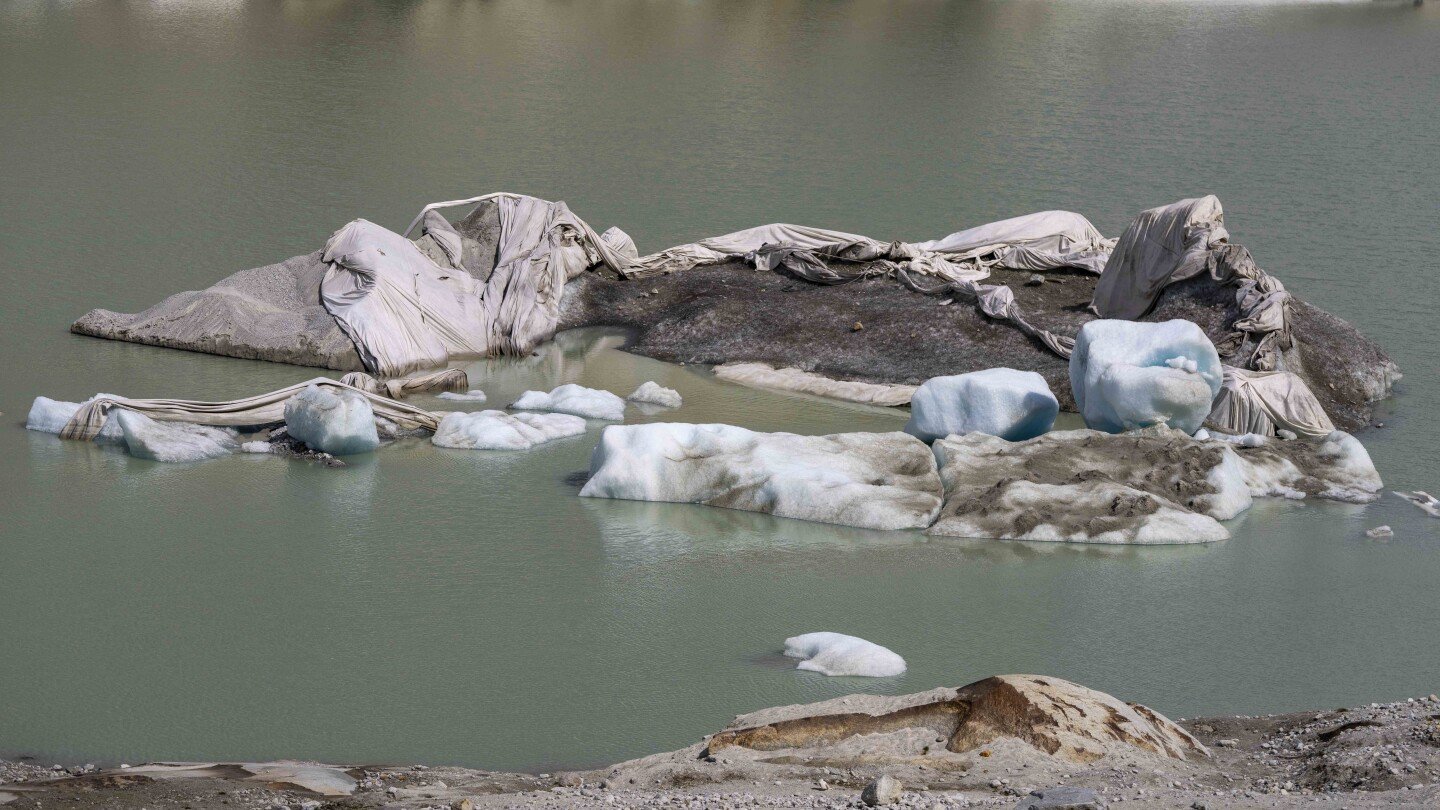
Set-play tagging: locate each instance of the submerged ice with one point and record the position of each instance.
(497, 430)
(173, 441)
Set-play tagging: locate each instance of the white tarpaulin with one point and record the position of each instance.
(1266, 401)
(262, 409)
(1045, 240)
(1162, 246)
(405, 311)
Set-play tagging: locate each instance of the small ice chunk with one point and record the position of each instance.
(475, 395)
(574, 399)
(51, 415)
(1351, 475)
(1127, 375)
(652, 393)
(1014, 405)
(1202, 435)
(839, 654)
(173, 441)
(498, 430)
(256, 447)
(1380, 531)
(1286, 435)
(336, 421)
(1424, 500)
(1183, 364)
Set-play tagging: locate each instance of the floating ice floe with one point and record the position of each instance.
(1127, 375)
(1380, 531)
(336, 421)
(469, 396)
(1150, 486)
(51, 415)
(173, 441)
(839, 654)
(1013, 405)
(578, 400)
(652, 393)
(257, 447)
(497, 430)
(869, 480)
(1427, 502)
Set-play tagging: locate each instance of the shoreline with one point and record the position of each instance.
(1376, 755)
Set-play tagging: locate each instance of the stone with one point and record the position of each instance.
(885, 790)
(1060, 798)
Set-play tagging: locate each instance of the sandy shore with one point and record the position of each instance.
(1380, 755)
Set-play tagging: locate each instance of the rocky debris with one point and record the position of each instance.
(869, 480)
(1013, 405)
(281, 443)
(1060, 798)
(732, 313)
(885, 790)
(1058, 718)
(1149, 486)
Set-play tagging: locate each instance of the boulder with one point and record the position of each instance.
(885, 790)
(497, 430)
(839, 654)
(1013, 405)
(335, 421)
(591, 403)
(1127, 375)
(1056, 717)
(173, 441)
(869, 480)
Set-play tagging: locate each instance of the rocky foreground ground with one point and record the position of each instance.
(1380, 755)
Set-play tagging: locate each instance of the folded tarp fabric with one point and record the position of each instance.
(1162, 246)
(262, 409)
(449, 379)
(1045, 240)
(405, 310)
(1264, 402)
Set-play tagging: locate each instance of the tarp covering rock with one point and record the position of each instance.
(1162, 246)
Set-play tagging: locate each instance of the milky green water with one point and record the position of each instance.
(451, 606)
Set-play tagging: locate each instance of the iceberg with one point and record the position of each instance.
(590, 403)
(1127, 375)
(173, 441)
(51, 415)
(1013, 405)
(497, 430)
(652, 393)
(839, 654)
(869, 480)
(332, 420)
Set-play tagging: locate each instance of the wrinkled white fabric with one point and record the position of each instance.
(1263, 402)
(1162, 246)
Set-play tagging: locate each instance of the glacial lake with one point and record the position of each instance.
(442, 606)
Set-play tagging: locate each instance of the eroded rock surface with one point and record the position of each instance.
(1057, 717)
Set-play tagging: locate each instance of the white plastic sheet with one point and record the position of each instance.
(1263, 402)
(1162, 246)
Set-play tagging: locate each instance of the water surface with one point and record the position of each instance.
(451, 606)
